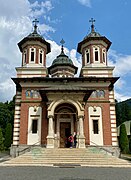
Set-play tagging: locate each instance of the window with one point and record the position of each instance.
(32, 55)
(24, 57)
(87, 57)
(104, 55)
(95, 126)
(96, 54)
(34, 126)
(41, 56)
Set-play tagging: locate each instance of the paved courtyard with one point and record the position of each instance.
(57, 173)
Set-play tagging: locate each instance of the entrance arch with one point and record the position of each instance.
(65, 121)
(66, 111)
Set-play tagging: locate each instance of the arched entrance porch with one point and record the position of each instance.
(65, 117)
(65, 121)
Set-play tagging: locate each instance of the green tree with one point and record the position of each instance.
(130, 139)
(7, 114)
(130, 145)
(1, 140)
(118, 114)
(123, 140)
(8, 135)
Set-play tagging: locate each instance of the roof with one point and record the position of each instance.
(92, 36)
(67, 80)
(62, 60)
(34, 36)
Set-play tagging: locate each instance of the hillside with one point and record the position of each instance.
(123, 111)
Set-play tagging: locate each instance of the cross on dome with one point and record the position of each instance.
(62, 43)
(92, 25)
(35, 22)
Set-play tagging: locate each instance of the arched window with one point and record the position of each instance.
(96, 54)
(24, 56)
(32, 55)
(87, 56)
(104, 55)
(41, 56)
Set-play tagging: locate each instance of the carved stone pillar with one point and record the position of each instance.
(50, 137)
(81, 137)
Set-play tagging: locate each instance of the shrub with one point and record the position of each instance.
(123, 141)
(1, 140)
(8, 135)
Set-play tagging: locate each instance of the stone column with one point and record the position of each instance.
(81, 137)
(50, 137)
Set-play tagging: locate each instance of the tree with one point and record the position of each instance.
(130, 145)
(123, 140)
(8, 135)
(130, 139)
(1, 140)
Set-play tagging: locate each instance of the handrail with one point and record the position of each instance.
(27, 148)
(100, 147)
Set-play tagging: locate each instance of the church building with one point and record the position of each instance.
(53, 102)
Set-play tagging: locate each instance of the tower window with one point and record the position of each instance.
(87, 56)
(96, 54)
(104, 56)
(95, 127)
(24, 57)
(34, 126)
(41, 56)
(32, 54)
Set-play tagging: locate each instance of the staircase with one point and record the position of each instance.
(66, 157)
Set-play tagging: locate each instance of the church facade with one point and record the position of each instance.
(52, 103)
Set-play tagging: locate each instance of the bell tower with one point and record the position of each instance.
(34, 49)
(94, 49)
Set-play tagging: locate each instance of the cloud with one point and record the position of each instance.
(121, 97)
(40, 8)
(15, 23)
(122, 64)
(86, 3)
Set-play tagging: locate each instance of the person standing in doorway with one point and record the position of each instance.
(70, 139)
(75, 139)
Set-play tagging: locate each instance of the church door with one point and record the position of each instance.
(65, 131)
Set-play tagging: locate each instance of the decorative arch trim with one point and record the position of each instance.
(54, 104)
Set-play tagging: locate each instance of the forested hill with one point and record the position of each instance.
(123, 111)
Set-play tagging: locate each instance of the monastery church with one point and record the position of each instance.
(52, 102)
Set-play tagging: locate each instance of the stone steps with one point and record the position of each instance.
(41, 156)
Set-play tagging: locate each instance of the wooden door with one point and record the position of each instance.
(65, 130)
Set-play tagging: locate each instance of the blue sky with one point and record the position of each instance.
(67, 19)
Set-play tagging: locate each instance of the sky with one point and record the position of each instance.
(67, 19)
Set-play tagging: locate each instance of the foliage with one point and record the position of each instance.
(123, 139)
(130, 145)
(1, 140)
(6, 117)
(8, 135)
(123, 111)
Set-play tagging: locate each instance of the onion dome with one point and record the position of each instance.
(62, 66)
(92, 36)
(34, 37)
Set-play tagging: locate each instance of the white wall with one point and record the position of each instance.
(95, 115)
(36, 137)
